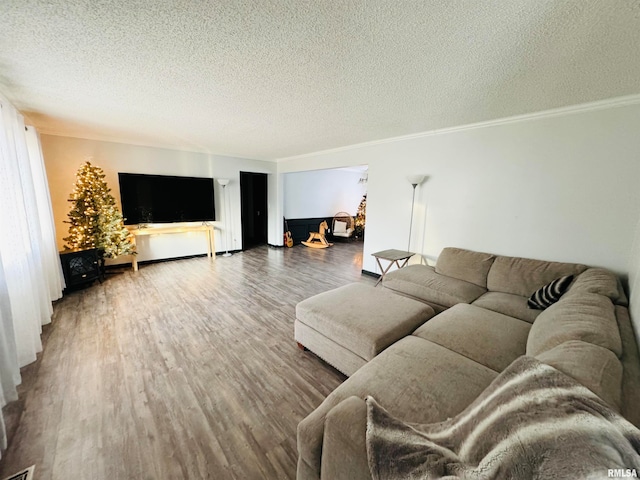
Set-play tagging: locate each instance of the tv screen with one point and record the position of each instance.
(165, 199)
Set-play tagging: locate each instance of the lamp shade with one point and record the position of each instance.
(223, 181)
(415, 179)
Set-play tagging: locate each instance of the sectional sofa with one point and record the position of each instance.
(483, 324)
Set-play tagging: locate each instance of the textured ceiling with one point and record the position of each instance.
(271, 79)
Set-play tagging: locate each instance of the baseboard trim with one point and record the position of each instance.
(159, 260)
(222, 253)
(370, 274)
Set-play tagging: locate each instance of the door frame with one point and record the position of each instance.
(264, 177)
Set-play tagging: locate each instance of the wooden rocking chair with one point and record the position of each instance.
(318, 239)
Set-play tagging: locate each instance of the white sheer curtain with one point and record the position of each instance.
(9, 370)
(54, 278)
(30, 272)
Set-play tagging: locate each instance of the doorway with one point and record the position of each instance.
(253, 207)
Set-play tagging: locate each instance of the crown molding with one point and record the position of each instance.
(124, 141)
(555, 112)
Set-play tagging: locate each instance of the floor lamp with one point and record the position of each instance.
(414, 180)
(224, 182)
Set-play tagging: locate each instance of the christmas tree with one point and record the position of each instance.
(95, 220)
(361, 216)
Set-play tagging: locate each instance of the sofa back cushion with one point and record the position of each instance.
(596, 280)
(523, 276)
(595, 367)
(423, 283)
(489, 338)
(587, 317)
(508, 304)
(466, 265)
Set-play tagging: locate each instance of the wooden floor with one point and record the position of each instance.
(185, 369)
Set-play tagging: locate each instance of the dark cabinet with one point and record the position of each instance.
(80, 267)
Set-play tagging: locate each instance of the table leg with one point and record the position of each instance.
(212, 243)
(381, 274)
(134, 258)
(384, 271)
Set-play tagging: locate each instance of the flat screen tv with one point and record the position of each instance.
(165, 199)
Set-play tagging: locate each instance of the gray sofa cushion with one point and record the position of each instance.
(523, 276)
(339, 357)
(489, 338)
(508, 304)
(351, 324)
(363, 319)
(588, 317)
(593, 366)
(596, 280)
(423, 381)
(466, 265)
(423, 283)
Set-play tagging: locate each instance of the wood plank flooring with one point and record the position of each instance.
(185, 369)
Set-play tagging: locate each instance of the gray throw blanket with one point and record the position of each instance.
(532, 422)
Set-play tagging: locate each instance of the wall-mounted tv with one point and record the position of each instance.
(165, 199)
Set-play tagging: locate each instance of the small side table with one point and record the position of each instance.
(393, 257)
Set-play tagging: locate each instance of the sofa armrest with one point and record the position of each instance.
(630, 367)
(344, 450)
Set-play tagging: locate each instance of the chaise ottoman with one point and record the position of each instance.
(350, 325)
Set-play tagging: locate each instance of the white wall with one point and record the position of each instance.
(634, 282)
(64, 155)
(557, 187)
(322, 193)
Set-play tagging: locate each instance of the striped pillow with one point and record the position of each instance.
(549, 294)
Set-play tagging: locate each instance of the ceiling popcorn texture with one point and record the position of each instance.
(273, 79)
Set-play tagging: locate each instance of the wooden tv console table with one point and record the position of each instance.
(207, 229)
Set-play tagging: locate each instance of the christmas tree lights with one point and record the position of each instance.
(94, 217)
(361, 216)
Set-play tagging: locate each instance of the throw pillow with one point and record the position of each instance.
(339, 227)
(546, 296)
